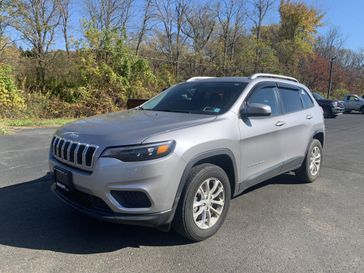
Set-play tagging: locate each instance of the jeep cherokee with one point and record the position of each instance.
(179, 158)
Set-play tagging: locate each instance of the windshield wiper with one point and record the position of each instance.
(170, 110)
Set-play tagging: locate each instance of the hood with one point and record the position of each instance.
(127, 127)
(326, 100)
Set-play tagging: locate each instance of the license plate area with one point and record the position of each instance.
(63, 179)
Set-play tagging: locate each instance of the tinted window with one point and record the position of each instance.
(290, 99)
(211, 98)
(306, 99)
(317, 96)
(265, 95)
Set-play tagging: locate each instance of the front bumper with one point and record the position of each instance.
(150, 220)
(338, 110)
(157, 179)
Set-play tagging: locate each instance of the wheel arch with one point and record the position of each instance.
(224, 158)
(320, 136)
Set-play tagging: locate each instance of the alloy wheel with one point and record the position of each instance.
(208, 203)
(315, 161)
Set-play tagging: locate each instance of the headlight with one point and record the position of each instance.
(140, 152)
(334, 103)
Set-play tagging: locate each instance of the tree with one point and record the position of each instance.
(64, 9)
(230, 17)
(200, 24)
(259, 12)
(170, 15)
(144, 27)
(5, 23)
(108, 16)
(296, 34)
(37, 21)
(180, 9)
(329, 44)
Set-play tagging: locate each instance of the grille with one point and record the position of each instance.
(340, 104)
(80, 155)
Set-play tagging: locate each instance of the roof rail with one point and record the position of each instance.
(198, 78)
(266, 75)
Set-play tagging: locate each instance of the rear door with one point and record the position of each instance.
(296, 124)
(261, 153)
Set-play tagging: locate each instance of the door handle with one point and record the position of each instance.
(280, 123)
(309, 117)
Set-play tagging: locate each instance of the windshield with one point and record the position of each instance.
(318, 96)
(212, 98)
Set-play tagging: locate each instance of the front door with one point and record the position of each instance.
(260, 146)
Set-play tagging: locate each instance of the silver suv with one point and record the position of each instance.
(178, 159)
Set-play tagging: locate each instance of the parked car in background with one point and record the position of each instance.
(331, 108)
(354, 102)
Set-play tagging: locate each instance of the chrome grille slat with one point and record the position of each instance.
(76, 153)
(59, 151)
(84, 156)
(69, 150)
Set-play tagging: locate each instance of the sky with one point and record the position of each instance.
(347, 15)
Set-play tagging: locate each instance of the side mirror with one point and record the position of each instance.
(256, 110)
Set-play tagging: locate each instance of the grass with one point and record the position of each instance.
(7, 124)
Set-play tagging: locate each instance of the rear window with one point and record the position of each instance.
(306, 99)
(290, 99)
(211, 98)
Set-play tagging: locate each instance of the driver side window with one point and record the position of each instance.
(265, 95)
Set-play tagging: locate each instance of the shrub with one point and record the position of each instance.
(11, 100)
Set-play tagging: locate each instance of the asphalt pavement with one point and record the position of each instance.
(281, 225)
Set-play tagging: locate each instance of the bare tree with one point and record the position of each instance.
(109, 15)
(200, 23)
(329, 44)
(164, 14)
(230, 17)
(260, 10)
(5, 22)
(37, 21)
(180, 9)
(64, 8)
(144, 27)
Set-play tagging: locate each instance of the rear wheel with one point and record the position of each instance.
(204, 203)
(311, 166)
(362, 110)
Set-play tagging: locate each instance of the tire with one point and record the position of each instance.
(184, 221)
(362, 110)
(305, 173)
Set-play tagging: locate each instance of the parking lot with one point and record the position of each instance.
(279, 226)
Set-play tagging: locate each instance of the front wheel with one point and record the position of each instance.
(311, 166)
(204, 203)
(362, 110)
